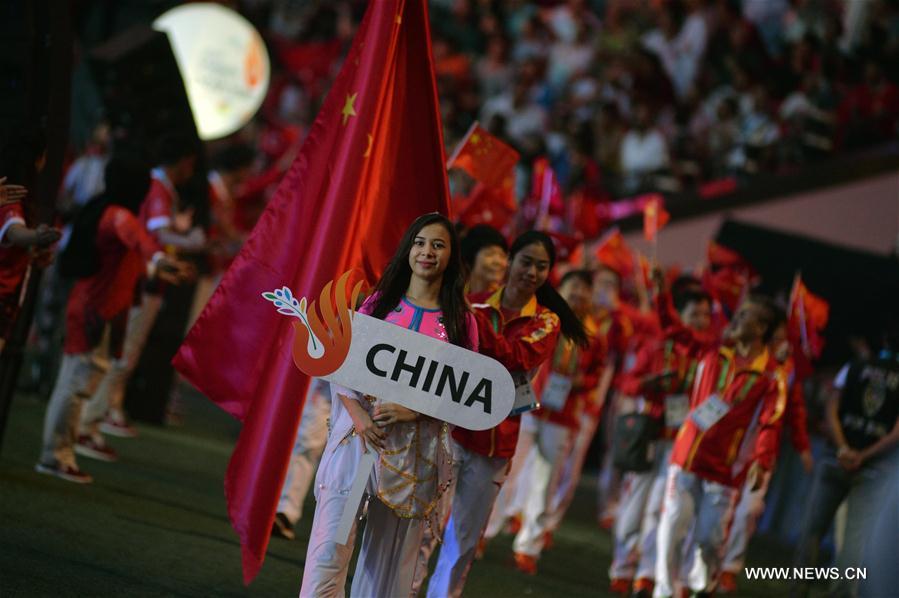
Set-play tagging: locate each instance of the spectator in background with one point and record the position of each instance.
(84, 178)
(532, 42)
(493, 71)
(870, 110)
(679, 42)
(864, 427)
(724, 136)
(570, 58)
(643, 149)
(523, 116)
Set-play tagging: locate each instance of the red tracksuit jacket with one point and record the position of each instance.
(584, 366)
(521, 344)
(755, 396)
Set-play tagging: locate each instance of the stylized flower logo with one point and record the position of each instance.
(319, 348)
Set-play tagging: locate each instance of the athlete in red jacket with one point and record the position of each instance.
(734, 408)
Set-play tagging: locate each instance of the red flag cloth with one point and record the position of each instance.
(546, 194)
(613, 252)
(721, 256)
(808, 316)
(655, 217)
(485, 158)
(373, 161)
(495, 206)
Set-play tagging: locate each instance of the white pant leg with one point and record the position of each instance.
(508, 502)
(750, 506)
(635, 491)
(570, 475)
(646, 567)
(110, 395)
(312, 434)
(389, 554)
(552, 444)
(73, 386)
(327, 562)
(477, 485)
(682, 491)
(712, 520)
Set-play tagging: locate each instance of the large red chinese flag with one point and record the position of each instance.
(373, 161)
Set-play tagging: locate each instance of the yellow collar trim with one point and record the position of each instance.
(495, 301)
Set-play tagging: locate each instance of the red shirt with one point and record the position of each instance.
(124, 247)
(755, 397)
(158, 206)
(521, 344)
(13, 260)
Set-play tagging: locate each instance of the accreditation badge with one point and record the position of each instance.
(709, 412)
(676, 409)
(525, 399)
(554, 396)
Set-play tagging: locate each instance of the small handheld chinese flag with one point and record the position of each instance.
(655, 217)
(808, 316)
(613, 252)
(491, 163)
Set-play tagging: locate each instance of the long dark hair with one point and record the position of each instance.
(395, 280)
(547, 296)
(127, 180)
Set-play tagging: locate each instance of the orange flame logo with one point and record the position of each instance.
(320, 348)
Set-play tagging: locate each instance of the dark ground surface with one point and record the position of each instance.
(154, 524)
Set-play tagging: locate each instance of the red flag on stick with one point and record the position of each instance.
(491, 163)
(655, 217)
(613, 252)
(485, 157)
(807, 318)
(373, 161)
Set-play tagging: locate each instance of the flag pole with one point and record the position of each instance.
(461, 144)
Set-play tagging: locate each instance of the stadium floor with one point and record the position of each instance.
(154, 524)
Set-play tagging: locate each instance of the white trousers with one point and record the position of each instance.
(707, 507)
(649, 527)
(639, 505)
(552, 444)
(570, 476)
(110, 395)
(387, 561)
(327, 562)
(750, 506)
(312, 434)
(478, 481)
(78, 376)
(511, 498)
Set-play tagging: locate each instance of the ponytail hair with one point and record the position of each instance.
(547, 296)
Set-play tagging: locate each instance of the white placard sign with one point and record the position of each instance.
(396, 365)
(426, 375)
(223, 62)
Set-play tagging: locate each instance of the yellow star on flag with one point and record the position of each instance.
(349, 108)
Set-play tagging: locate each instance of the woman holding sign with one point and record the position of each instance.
(422, 290)
(520, 324)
